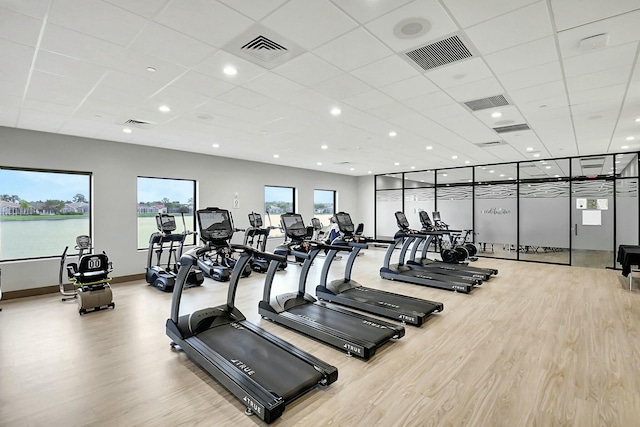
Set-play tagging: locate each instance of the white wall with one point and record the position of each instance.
(116, 166)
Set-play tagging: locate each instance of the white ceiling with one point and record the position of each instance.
(79, 67)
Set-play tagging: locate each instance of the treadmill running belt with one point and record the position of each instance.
(274, 368)
(375, 297)
(350, 325)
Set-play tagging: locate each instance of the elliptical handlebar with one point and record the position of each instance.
(255, 252)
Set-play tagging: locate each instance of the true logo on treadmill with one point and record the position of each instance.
(352, 348)
(375, 325)
(243, 367)
(407, 318)
(386, 304)
(252, 405)
(458, 288)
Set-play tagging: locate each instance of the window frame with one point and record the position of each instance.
(277, 233)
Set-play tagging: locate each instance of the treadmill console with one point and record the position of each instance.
(426, 221)
(345, 224)
(255, 220)
(436, 216)
(293, 226)
(402, 221)
(215, 224)
(316, 224)
(165, 223)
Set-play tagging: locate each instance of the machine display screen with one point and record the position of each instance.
(344, 222)
(294, 225)
(215, 225)
(402, 220)
(255, 219)
(166, 222)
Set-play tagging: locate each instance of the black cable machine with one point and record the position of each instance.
(350, 293)
(263, 371)
(429, 229)
(412, 273)
(164, 277)
(354, 333)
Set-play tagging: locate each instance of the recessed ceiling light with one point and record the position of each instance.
(429, 147)
(529, 148)
(392, 133)
(319, 163)
(618, 162)
(637, 120)
(630, 138)
(510, 177)
(483, 168)
(548, 167)
(556, 176)
(624, 147)
(454, 157)
(496, 114)
(502, 175)
(276, 156)
(215, 145)
(230, 70)
(396, 164)
(536, 155)
(336, 111)
(369, 172)
(491, 171)
(352, 169)
(164, 108)
(444, 174)
(324, 147)
(466, 162)
(469, 180)
(413, 167)
(127, 130)
(151, 69)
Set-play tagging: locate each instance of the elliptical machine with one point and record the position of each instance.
(454, 248)
(256, 237)
(164, 278)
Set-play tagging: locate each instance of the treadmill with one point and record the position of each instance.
(263, 371)
(356, 334)
(417, 274)
(462, 268)
(349, 293)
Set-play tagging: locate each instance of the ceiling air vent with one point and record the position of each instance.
(440, 53)
(490, 144)
(489, 102)
(140, 124)
(263, 46)
(512, 128)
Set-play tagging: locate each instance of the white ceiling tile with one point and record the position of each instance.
(177, 99)
(135, 85)
(574, 13)
(469, 13)
(170, 45)
(66, 66)
(509, 113)
(469, 128)
(308, 69)
(341, 87)
(254, 9)
(388, 111)
(193, 81)
(96, 19)
(427, 102)
(47, 106)
(524, 56)
(441, 24)
(15, 60)
(538, 92)
(146, 8)
(80, 46)
(214, 65)
(19, 28)
(444, 111)
(532, 76)
(459, 73)
(619, 30)
(476, 90)
(207, 21)
(33, 8)
(599, 60)
(366, 10)
(521, 26)
(368, 100)
(273, 85)
(113, 96)
(244, 98)
(132, 62)
(385, 71)
(353, 50)
(410, 88)
(57, 89)
(309, 23)
(600, 79)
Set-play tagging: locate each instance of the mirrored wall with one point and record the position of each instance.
(573, 211)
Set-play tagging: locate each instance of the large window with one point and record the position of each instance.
(277, 200)
(324, 206)
(41, 212)
(164, 195)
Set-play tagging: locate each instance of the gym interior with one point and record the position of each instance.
(526, 146)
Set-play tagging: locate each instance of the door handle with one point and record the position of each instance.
(575, 229)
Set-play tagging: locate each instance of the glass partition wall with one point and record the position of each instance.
(572, 211)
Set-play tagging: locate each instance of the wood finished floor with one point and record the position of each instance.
(538, 345)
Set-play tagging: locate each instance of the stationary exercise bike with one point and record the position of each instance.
(163, 277)
(454, 247)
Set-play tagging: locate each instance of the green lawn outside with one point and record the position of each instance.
(38, 217)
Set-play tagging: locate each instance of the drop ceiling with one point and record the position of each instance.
(82, 68)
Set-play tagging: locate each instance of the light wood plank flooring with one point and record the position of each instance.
(538, 345)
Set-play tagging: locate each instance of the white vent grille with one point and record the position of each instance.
(140, 124)
(440, 53)
(512, 128)
(490, 144)
(263, 48)
(489, 102)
